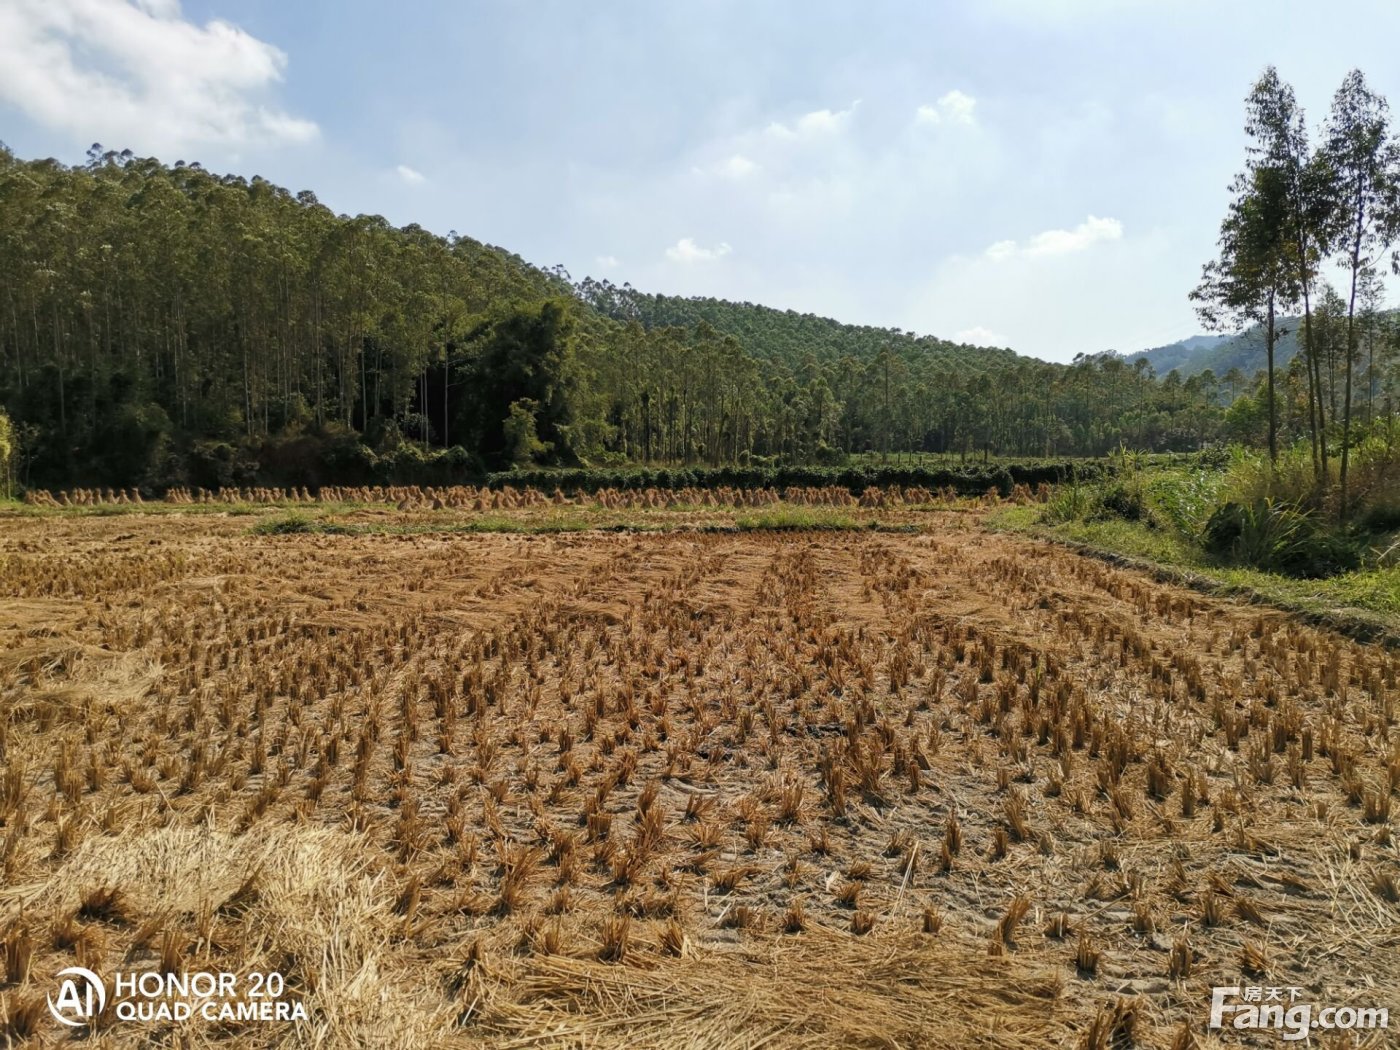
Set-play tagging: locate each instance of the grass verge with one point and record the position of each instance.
(1364, 604)
(332, 522)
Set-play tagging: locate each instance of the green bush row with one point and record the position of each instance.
(966, 480)
(335, 455)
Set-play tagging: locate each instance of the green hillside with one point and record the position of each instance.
(787, 336)
(166, 325)
(1178, 355)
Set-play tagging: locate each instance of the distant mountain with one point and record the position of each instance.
(1178, 355)
(1220, 353)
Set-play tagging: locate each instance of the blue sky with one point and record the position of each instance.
(1043, 174)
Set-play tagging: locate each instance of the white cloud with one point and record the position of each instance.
(1060, 242)
(686, 250)
(135, 73)
(818, 123)
(1002, 250)
(979, 336)
(1039, 309)
(821, 121)
(410, 175)
(955, 107)
(735, 168)
(607, 262)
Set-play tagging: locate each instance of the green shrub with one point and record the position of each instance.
(383, 434)
(1277, 537)
(971, 480)
(523, 445)
(1185, 499)
(1214, 456)
(286, 525)
(1071, 502)
(1383, 515)
(1123, 496)
(1124, 499)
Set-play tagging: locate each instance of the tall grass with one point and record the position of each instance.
(1250, 512)
(1374, 481)
(1277, 537)
(1291, 480)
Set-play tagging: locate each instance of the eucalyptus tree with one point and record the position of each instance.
(1252, 281)
(1370, 301)
(1362, 163)
(1329, 340)
(1279, 143)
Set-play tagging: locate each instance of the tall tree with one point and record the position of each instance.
(1362, 164)
(1279, 142)
(1253, 280)
(526, 368)
(1370, 299)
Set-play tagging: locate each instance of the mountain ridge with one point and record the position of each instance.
(1221, 353)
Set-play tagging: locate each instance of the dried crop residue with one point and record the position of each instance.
(942, 789)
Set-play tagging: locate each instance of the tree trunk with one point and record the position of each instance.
(1317, 422)
(1269, 338)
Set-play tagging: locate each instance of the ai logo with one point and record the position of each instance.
(81, 997)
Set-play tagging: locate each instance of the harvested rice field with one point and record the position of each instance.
(936, 787)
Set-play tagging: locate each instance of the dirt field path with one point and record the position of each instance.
(939, 789)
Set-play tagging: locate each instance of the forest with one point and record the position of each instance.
(162, 324)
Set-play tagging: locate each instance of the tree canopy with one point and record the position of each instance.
(162, 324)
